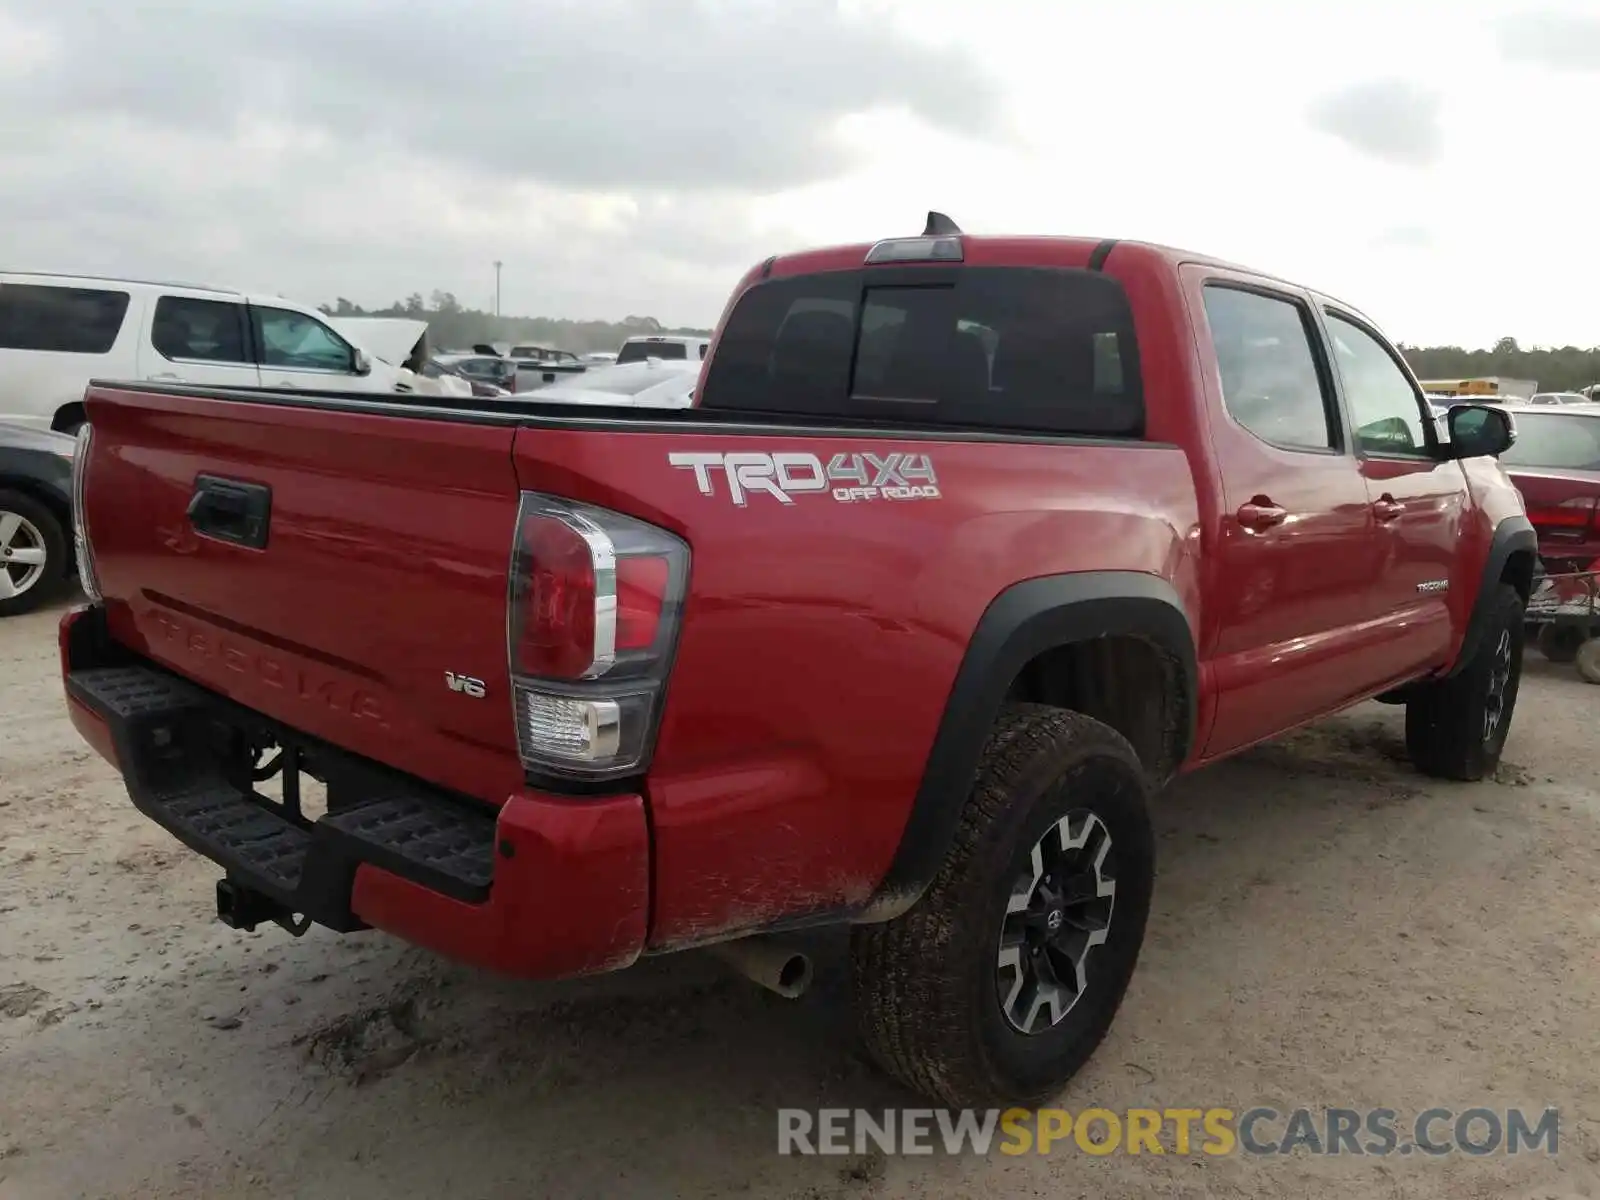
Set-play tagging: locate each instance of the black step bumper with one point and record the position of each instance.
(180, 749)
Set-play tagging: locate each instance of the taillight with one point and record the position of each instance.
(595, 598)
(641, 594)
(82, 547)
(1572, 519)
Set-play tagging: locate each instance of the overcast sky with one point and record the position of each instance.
(1431, 161)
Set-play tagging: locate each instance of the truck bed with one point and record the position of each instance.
(821, 635)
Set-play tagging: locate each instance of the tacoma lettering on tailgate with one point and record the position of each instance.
(334, 694)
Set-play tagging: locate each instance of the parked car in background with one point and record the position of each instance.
(600, 358)
(57, 332)
(35, 516)
(1558, 398)
(489, 369)
(653, 383)
(1555, 464)
(437, 368)
(562, 359)
(967, 546)
(664, 346)
(539, 365)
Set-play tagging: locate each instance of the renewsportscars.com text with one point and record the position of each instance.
(1255, 1131)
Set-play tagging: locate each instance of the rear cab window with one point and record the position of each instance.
(1048, 350)
(65, 320)
(639, 351)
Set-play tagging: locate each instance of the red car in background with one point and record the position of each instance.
(1555, 464)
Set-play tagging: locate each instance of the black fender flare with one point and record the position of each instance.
(1021, 623)
(1513, 535)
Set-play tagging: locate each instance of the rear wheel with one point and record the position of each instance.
(33, 553)
(1560, 642)
(1003, 979)
(1456, 727)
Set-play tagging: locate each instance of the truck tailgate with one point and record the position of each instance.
(372, 613)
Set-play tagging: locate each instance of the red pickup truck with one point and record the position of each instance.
(969, 544)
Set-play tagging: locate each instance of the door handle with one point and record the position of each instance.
(165, 377)
(1387, 508)
(231, 511)
(1261, 513)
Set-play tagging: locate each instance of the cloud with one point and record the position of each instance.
(1392, 120)
(615, 154)
(372, 226)
(1562, 41)
(683, 94)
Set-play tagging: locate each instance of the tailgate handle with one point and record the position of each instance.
(231, 511)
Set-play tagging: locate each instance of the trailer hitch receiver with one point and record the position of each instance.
(240, 907)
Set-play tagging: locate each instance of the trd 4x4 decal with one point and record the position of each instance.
(847, 477)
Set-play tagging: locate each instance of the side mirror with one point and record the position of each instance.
(363, 363)
(1477, 430)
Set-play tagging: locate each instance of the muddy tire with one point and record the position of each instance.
(33, 553)
(1456, 727)
(996, 987)
(1560, 642)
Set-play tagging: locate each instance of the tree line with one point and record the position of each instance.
(1557, 369)
(453, 327)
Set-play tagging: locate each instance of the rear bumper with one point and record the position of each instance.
(547, 887)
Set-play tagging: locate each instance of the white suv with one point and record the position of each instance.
(57, 332)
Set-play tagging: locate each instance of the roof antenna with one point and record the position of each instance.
(940, 225)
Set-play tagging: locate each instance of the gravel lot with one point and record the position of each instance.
(1329, 929)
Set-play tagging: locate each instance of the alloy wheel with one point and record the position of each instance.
(1059, 910)
(23, 555)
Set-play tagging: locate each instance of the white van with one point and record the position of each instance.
(57, 332)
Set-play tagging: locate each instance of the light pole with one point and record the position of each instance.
(497, 265)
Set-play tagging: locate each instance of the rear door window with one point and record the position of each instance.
(1271, 382)
(1044, 350)
(188, 330)
(66, 320)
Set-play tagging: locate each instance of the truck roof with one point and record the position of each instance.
(71, 280)
(1031, 250)
(202, 291)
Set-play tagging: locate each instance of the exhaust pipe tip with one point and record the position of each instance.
(794, 977)
(780, 969)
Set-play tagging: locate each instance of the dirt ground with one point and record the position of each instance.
(1329, 929)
